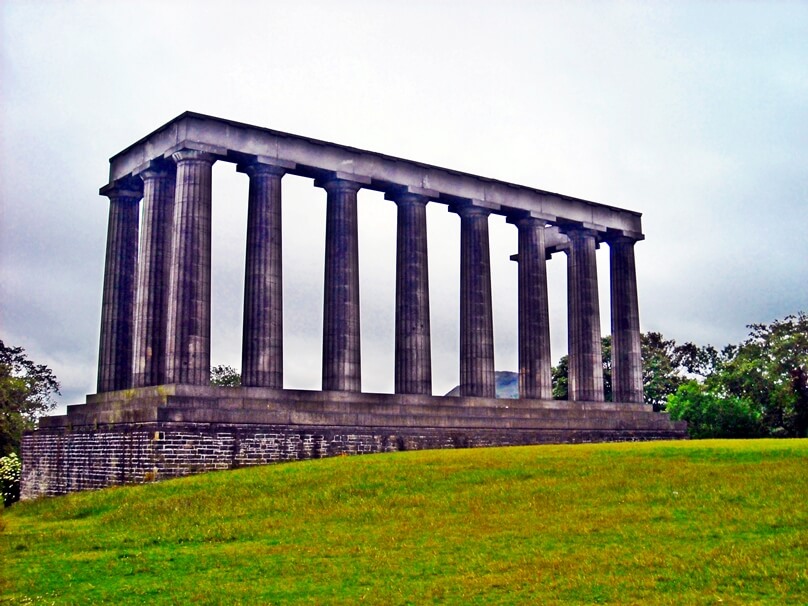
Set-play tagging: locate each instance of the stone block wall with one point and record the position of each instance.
(61, 460)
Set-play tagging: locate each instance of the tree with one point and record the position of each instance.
(26, 393)
(769, 369)
(767, 373)
(662, 370)
(711, 416)
(225, 376)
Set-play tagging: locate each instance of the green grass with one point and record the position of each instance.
(700, 522)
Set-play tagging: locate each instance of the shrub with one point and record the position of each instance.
(709, 415)
(10, 471)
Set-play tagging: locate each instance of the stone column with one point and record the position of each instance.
(118, 303)
(342, 369)
(585, 357)
(626, 345)
(476, 316)
(534, 317)
(188, 344)
(413, 372)
(262, 345)
(152, 278)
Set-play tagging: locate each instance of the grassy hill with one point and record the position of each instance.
(650, 523)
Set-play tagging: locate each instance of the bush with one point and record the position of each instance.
(712, 416)
(10, 472)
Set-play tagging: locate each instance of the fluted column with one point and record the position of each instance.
(152, 278)
(342, 370)
(626, 344)
(534, 317)
(262, 344)
(188, 344)
(585, 356)
(413, 355)
(476, 316)
(118, 303)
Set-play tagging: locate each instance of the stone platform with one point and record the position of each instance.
(153, 433)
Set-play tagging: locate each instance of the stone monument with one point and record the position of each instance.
(155, 414)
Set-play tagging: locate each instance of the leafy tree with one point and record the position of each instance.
(769, 369)
(712, 416)
(225, 376)
(26, 393)
(662, 371)
(768, 373)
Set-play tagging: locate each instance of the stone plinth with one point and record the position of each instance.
(173, 430)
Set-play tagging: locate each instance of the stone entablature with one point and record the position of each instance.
(235, 142)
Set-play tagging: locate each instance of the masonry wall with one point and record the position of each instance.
(58, 461)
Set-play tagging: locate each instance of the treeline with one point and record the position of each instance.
(758, 388)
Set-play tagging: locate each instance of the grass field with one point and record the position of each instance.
(699, 522)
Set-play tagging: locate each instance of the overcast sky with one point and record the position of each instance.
(695, 114)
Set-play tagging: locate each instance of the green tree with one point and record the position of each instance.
(662, 371)
(225, 376)
(712, 416)
(769, 369)
(26, 393)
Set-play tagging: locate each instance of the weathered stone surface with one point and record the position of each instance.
(262, 344)
(188, 329)
(585, 358)
(476, 312)
(168, 431)
(154, 262)
(626, 343)
(342, 368)
(535, 366)
(413, 353)
(118, 304)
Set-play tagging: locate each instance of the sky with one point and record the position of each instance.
(693, 113)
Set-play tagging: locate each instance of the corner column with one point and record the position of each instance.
(413, 355)
(118, 303)
(626, 343)
(476, 316)
(188, 343)
(342, 369)
(585, 355)
(535, 377)
(262, 343)
(152, 277)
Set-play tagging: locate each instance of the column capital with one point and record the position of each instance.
(253, 169)
(407, 198)
(524, 219)
(472, 208)
(130, 189)
(339, 181)
(572, 230)
(193, 155)
(622, 237)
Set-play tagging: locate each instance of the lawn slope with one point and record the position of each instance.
(702, 522)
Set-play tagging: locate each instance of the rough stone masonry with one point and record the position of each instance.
(156, 416)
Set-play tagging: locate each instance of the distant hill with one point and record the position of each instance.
(507, 385)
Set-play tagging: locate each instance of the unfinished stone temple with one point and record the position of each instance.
(155, 415)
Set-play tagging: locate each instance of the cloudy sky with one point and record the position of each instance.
(693, 113)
